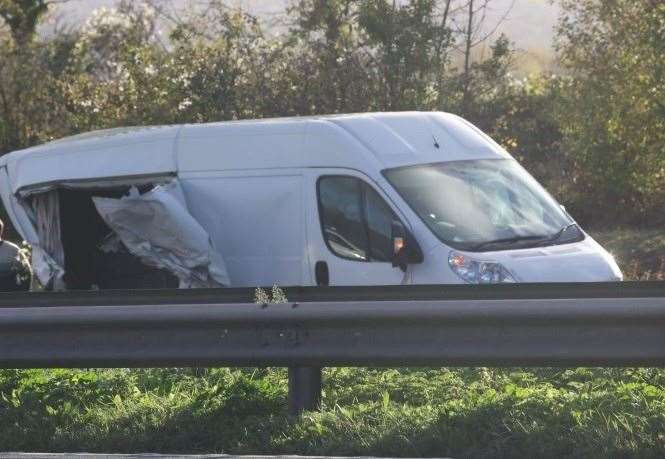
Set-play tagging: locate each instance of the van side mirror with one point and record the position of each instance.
(405, 248)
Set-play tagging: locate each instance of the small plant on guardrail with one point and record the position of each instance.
(276, 296)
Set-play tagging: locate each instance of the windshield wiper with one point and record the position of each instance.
(538, 239)
(556, 236)
(510, 240)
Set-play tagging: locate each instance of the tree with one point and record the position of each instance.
(326, 44)
(30, 104)
(23, 16)
(108, 34)
(410, 44)
(615, 114)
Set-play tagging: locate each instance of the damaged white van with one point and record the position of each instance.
(367, 199)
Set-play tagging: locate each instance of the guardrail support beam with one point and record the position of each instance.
(304, 389)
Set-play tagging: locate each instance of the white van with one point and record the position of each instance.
(364, 199)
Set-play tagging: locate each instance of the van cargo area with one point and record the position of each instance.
(123, 237)
(91, 259)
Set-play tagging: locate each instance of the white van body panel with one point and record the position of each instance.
(404, 139)
(261, 235)
(350, 141)
(252, 186)
(241, 146)
(20, 219)
(126, 152)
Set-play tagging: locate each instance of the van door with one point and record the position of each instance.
(349, 226)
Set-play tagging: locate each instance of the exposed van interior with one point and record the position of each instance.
(120, 236)
(92, 259)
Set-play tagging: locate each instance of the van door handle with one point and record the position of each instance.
(322, 274)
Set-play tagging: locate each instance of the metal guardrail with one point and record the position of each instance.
(522, 325)
(309, 294)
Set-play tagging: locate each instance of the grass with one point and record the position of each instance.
(447, 412)
(467, 412)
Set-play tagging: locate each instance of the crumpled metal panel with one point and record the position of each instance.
(157, 228)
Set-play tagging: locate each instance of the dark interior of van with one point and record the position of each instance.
(87, 266)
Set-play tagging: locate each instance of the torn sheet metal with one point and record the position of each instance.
(49, 273)
(96, 184)
(46, 245)
(157, 228)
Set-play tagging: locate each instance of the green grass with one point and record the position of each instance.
(449, 412)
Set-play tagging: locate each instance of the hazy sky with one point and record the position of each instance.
(529, 24)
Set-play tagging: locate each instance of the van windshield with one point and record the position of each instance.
(482, 205)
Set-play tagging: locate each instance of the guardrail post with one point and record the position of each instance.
(304, 389)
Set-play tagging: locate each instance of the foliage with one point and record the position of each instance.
(276, 296)
(411, 46)
(108, 35)
(31, 106)
(20, 266)
(615, 110)
(410, 413)
(22, 17)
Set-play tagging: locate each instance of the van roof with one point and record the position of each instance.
(360, 141)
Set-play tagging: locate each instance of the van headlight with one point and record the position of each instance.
(478, 272)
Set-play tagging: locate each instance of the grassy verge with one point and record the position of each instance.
(448, 412)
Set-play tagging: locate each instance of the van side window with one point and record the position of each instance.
(379, 219)
(356, 221)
